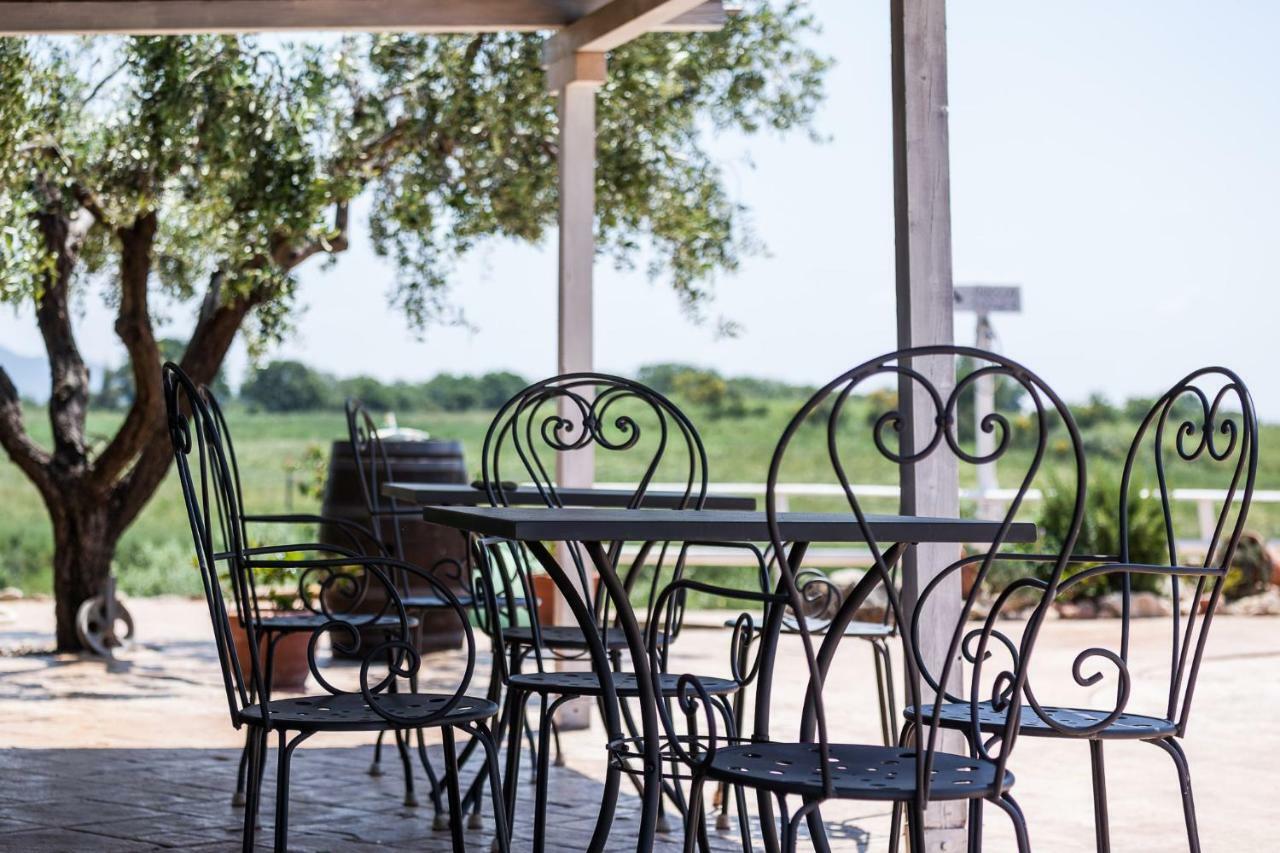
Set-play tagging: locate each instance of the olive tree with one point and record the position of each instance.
(200, 173)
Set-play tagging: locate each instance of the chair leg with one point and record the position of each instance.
(375, 768)
(542, 773)
(242, 772)
(406, 761)
(1179, 757)
(511, 779)
(555, 733)
(255, 781)
(472, 799)
(787, 825)
(1101, 821)
(285, 754)
(452, 785)
(533, 745)
(433, 781)
(253, 755)
(1014, 811)
(895, 819)
(501, 825)
(768, 821)
(884, 688)
(975, 825)
(915, 826)
(694, 820)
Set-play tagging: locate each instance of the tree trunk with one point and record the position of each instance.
(84, 544)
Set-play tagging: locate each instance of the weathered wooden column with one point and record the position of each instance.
(922, 236)
(575, 79)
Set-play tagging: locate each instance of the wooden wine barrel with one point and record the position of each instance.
(412, 461)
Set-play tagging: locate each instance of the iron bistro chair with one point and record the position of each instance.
(273, 628)
(373, 470)
(213, 511)
(814, 768)
(1205, 421)
(562, 415)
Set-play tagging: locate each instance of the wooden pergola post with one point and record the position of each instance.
(576, 66)
(922, 237)
(575, 81)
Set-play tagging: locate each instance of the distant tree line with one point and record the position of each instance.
(286, 385)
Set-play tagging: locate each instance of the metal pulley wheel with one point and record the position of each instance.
(103, 623)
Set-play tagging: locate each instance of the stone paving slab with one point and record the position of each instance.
(145, 758)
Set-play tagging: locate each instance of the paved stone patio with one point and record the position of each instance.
(145, 758)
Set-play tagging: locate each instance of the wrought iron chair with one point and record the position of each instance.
(373, 470)
(1203, 429)
(814, 767)
(563, 415)
(274, 628)
(213, 511)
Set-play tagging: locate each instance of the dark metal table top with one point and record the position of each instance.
(466, 494)
(685, 525)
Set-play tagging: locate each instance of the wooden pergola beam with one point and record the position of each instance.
(178, 17)
(613, 25)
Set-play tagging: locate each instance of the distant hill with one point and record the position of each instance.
(30, 374)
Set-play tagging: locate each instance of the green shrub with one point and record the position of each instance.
(1100, 534)
(26, 560)
(156, 567)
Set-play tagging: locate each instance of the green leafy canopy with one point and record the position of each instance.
(248, 151)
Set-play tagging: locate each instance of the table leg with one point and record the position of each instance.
(764, 689)
(827, 651)
(600, 661)
(648, 697)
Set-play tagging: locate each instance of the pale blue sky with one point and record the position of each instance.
(1119, 160)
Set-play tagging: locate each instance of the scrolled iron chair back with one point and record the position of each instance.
(1226, 436)
(575, 412)
(1204, 429)
(849, 442)
(373, 471)
(211, 502)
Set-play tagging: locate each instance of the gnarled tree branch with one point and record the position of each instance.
(31, 458)
(69, 378)
(287, 256)
(215, 330)
(133, 326)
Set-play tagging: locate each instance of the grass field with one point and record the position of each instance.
(155, 555)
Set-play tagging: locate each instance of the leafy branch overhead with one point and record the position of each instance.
(204, 171)
(249, 151)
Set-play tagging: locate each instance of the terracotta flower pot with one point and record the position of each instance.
(547, 594)
(289, 669)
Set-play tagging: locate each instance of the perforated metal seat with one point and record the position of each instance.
(562, 637)
(349, 712)
(858, 771)
(588, 684)
(434, 602)
(307, 621)
(865, 630)
(1125, 727)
